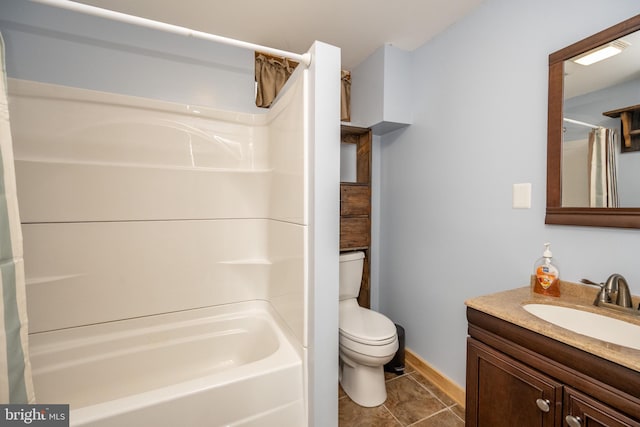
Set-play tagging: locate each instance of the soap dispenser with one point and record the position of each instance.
(547, 275)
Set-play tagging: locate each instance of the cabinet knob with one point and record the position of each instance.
(573, 421)
(543, 404)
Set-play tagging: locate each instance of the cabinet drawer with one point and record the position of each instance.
(354, 233)
(354, 199)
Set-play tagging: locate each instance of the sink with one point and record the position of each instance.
(590, 324)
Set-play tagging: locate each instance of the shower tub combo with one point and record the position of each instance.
(164, 264)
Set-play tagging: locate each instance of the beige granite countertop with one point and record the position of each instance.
(507, 305)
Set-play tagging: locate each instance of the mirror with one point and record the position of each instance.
(348, 162)
(579, 97)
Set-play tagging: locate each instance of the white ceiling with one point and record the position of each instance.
(358, 27)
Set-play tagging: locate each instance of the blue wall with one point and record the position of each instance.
(447, 229)
(58, 46)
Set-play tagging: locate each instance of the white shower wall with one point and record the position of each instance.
(133, 207)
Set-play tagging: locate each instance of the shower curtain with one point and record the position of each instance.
(603, 167)
(15, 370)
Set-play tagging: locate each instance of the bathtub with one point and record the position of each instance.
(230, 365)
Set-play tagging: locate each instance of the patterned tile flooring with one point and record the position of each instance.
(412, 400)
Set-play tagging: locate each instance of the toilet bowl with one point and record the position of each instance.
(368, 339)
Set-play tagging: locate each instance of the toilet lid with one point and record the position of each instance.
(367, 326)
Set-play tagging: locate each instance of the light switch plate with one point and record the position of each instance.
(522, 196)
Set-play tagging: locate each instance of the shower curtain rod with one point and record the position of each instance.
(576, 122)
(170, 28)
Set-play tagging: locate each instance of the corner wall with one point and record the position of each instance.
(322, 240)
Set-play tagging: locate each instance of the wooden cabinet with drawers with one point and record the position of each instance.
(355, 222)
(355, 204)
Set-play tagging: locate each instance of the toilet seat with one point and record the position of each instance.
(368, 342)
(368, 353)
(366, 326)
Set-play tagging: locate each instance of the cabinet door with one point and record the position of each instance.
(584, 411)
(502, 392)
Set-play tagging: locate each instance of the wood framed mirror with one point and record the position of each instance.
(625, 215)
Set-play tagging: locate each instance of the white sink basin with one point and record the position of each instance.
(590, 324)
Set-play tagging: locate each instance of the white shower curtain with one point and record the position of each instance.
(603, 168)
(15, 370)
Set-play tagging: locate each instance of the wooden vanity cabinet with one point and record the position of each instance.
(516, 377)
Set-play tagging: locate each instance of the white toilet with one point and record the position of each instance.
(368, 339)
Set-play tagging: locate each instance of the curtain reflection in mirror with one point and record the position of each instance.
(603, 168)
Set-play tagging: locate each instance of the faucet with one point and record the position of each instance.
(617, 284)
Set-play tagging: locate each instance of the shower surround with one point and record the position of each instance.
(138, 214)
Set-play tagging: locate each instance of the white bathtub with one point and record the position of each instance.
(230, 365)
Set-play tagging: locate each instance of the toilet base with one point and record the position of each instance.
(363, 384)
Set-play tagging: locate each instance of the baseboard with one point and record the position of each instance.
(452, 389)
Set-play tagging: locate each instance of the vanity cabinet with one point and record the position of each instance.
(516, 377)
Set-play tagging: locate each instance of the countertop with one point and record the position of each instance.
(507, 305)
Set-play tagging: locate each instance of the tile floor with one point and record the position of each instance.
(412, 400)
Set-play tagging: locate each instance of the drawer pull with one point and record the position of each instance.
(573, 421)
(543, 404)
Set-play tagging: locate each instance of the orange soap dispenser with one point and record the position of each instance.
(547, 275)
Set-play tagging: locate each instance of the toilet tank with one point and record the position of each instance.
(351, 264)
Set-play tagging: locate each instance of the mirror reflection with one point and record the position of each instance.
(348, 162)
(600, 154)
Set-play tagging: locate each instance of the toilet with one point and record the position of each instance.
(368, 339)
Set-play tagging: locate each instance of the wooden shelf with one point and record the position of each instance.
(355, 204)
(619, 111)
(630, 123)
